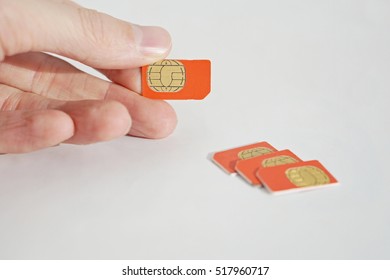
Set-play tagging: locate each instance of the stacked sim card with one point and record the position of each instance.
(260, 164)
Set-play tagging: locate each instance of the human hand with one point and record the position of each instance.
(45, 101)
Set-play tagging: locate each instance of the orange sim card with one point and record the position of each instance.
(248, 168)
(177, 79)
(227, 159)
(293, 177)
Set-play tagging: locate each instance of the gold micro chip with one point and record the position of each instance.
(254, 152)
(308, 175)
(279, 160)
(166, 76)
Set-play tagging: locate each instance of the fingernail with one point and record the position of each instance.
(152, 40)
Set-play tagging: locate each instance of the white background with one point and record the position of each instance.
(310, 76)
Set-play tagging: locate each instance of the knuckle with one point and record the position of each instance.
(92, 25)
(4, 26)
(10, 99)
(45, 75)
(13, 26)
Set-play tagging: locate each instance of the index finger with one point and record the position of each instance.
(85, 35)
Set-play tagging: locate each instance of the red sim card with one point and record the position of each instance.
(227, 159)
(248, 168)
(293, 177)
(176, 79)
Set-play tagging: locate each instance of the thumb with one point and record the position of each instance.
(88, 36)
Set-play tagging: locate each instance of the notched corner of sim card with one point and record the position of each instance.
(211, 157)
(245, 178)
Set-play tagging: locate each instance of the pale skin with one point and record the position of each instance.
(45, 101)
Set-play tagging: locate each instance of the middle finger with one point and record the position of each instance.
(54, 78)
